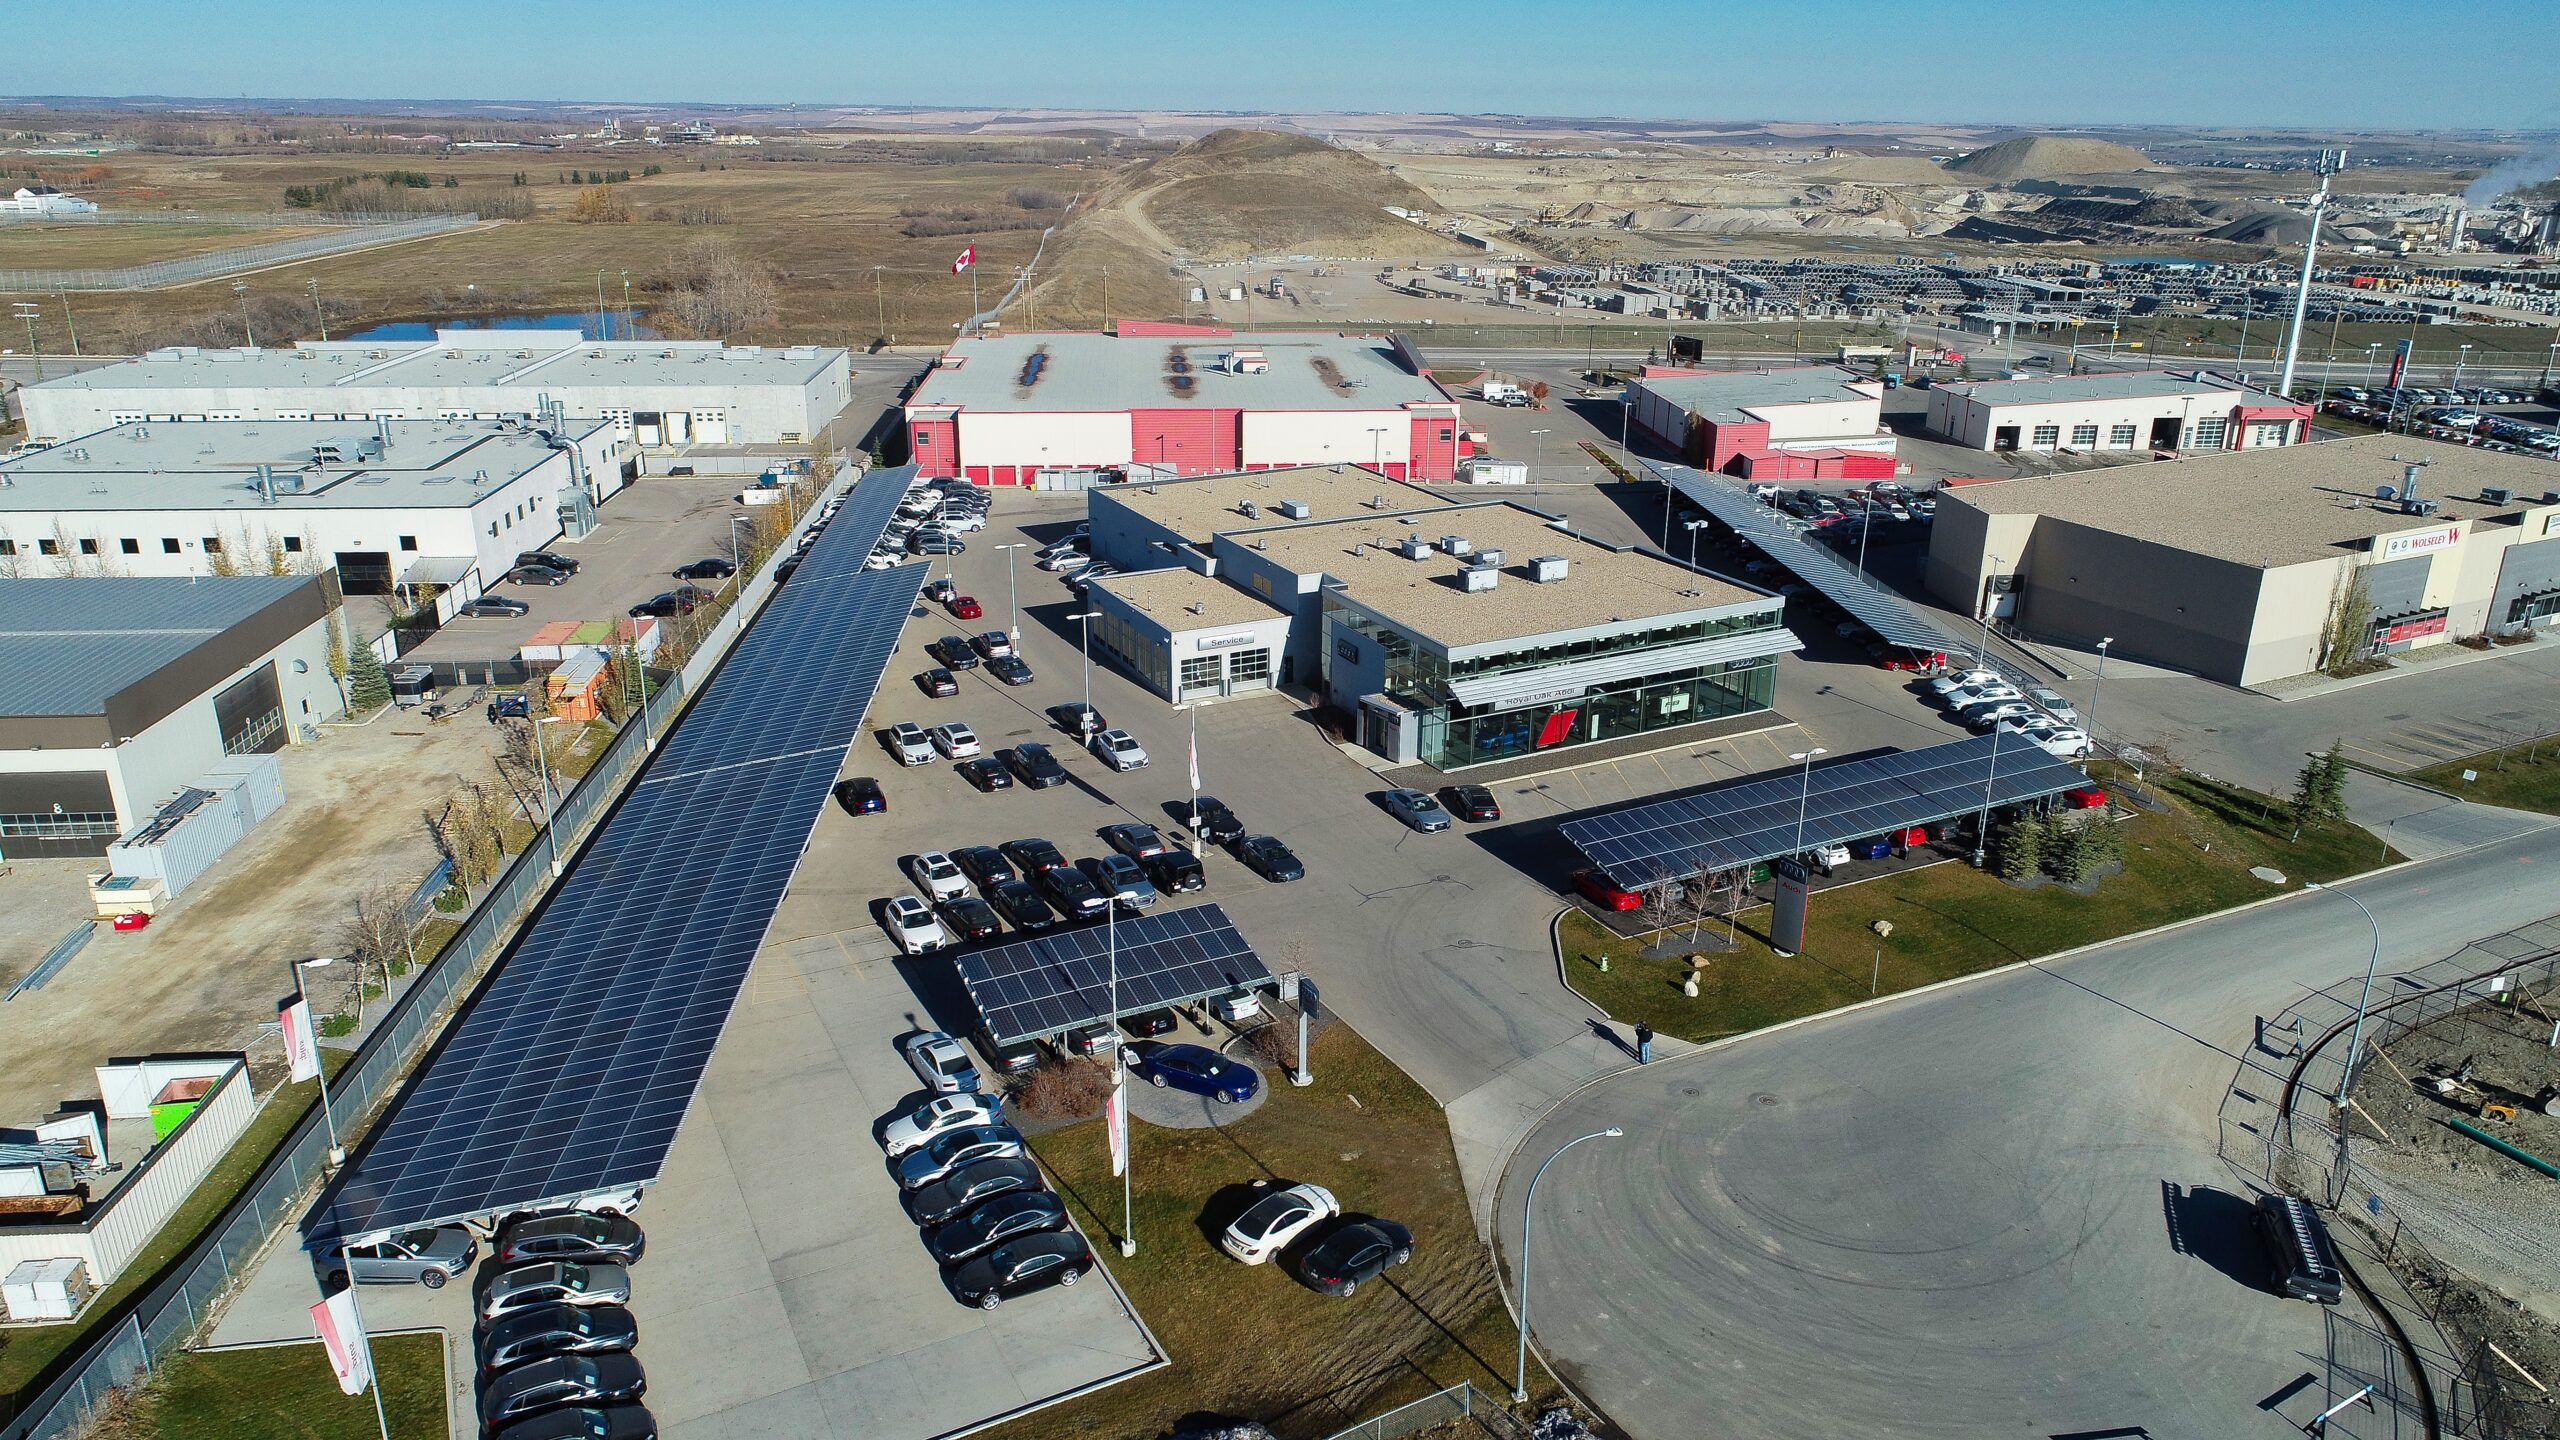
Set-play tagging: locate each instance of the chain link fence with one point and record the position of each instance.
(1462, 1401)
(214, 264)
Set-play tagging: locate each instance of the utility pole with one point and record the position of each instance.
(247, 329)
(880, 303)
(27, 312)
(316, 312)
(67, 322)
(2330, 164)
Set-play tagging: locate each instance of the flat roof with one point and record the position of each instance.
(1087, 371)
(1180, 599)
(2270, 507)
(1197, 509)
(69, 646)
(2120, 385)
(1602, 584)
(531, 360)
(213, 465)
(1730, 395)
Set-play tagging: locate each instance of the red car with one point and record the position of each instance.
(1600, 890)
(965, 607)
(1927, 663)
(2087, 797)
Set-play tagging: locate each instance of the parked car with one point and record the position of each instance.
(1957, 680)
(1135, 839)
(1038, 768)
(955, 652)
(987, 773)
(1175, 872)
(1011, 669)
(912, 924)
(937, 683)
(549, 1330)
(1021, 906)
(1033, 855)
(662, 605)
(1829, 859)
(1065, 887)
(970, 1186)
(939, 1062)
(1361, 1251)
(1269, 1225)
(936, 875)
(965, 607)
(562, 1380)
(1020, 1266)
(1474, 803)
(968, 918)
(983, 864)
(1077, 718)
(2062, 742)
(428, 1256)
(1416, 809)
(2087, 797)
(936, 541)
(908, 742)
(2055, 704)
(1025, 1212)
(1983, 715)
(991, 643)
(1196, 1069)
(2301, 1260)
(537, 575)
(493, 607)
(1121, 878)
(953, 1149)
(1600, 890)
(1210, 819)
(861, 795)
(1064, 560)
(941, 590)
(1265, 856)
(710, 567)
(939, 1116)
(955, 740)
(547, 559)
(571, 1235)
(501, 1293)
(1119, 749)
(1147, 1024)
(1237, 1005)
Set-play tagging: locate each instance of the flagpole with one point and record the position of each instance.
(337, 1152)
(355, 1309)
(1119, 1073)
(1199, 842)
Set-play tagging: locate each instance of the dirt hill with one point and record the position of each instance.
(1234, 193)
(2044, 157)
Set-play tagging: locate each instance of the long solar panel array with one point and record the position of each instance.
(1744, 822)
(571, 1069)
(1060, 980)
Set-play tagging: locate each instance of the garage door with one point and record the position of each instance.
(251, 714)
(56, 813)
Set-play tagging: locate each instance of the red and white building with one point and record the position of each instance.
(2157, 410)
(1168, 400)
(1806, 422)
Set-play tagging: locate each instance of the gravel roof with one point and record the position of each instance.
(1089, 372)
(2120, 385)
(1197, 509)
(1732, 395)
(1167, 597)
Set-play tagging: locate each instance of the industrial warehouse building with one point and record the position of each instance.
(1805, 422)
(384, 504)
(116, 695)
(655, 393)
(2186, 410)
(2255, 565)
(1156, 400)
(1452, 634)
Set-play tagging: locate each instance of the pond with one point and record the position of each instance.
(607, 325)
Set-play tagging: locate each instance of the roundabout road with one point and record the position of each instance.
(1949, 1216)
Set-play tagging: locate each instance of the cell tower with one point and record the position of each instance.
(2331, 162)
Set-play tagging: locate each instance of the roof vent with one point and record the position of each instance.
(1456, 545)
(1478, 578)
(1547, 569)
(2496, 494)
(1249, 510)
(1413, 547)
(1294, 509)
(1489, 557)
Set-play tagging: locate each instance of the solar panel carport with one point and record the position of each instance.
(571, 1068)
(1059, 981)
(1743, 822)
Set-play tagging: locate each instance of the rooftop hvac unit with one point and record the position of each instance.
(1413, 547)
(1547, 569)
(1456, 544)
(1294, 509)
(2551, 497)
(1477, 578)
(2496, 494)
(1489, 557)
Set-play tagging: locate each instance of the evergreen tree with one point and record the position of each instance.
(2333, 781)
(368, 684)
(2023, 846)
(2067, 854)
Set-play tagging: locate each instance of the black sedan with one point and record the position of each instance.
(1473, 803)
(1076, 897)
(559, 1381)
(986, 772)
(1018, 1267)
(1265, 856)
(1148, 1024)
(583, 1236)
(954, 653)
(999, 1220)
(1038, 768)
(537, 575)
(1021, 906)
(955, 1150)
(1010, 670)
(938, 683)
(710, 567)
(586, 1422)
(983, 864)
(493, 607)
(664, 605)
(1217, 824)
(861, 795)
(971, 1186)
(1078, 719)
(1359, 1251)
(969, 918)
(1175, 872)
(548, 1330)
(1033, 855)
(548, 560)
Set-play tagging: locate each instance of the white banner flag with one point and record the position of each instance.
(342, 1336)
(301, 1042)
(1195, 768)
(1116, 1114)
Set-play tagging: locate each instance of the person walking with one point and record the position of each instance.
(1644, 1043)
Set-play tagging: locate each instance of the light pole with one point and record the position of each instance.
(626, 304)
(1119, 1078)
(2355, 1036)
(1982, 823)
(1377, 446)
(604, 320)
(1804, 792)
(1191, 768)
(1087, 617)
(1528, 1209)
(542, 757)
(737, 552)
(69, 324)
(26, 311)
(337, 1152)
(1693, 527)
(1626, 409)
(2461, 353)
(241, 289)
(1010, 600)
(2095, 691)
(316, 312)
(2370, 352)
(1539, 438)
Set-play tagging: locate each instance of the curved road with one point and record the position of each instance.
(1946, 1216)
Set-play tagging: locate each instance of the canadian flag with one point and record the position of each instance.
(968, 257)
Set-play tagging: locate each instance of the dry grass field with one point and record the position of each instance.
(37, 246)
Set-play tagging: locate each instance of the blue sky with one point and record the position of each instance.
(2455, 63)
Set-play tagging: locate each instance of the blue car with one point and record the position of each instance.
(1198, 1069)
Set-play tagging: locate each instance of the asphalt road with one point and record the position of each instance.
(1947, 1215)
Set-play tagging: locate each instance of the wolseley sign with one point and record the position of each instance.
(2420, 542)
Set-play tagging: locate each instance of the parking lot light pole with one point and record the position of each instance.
(1804, 793)
(1982, 826)
(1087, 617)
(1540, 439)
(542, 756)
(337, 1152)
(1011, 602)
(738, 552)
(2355, 1036)
(2095, 691)
(1528, 1209)
(1693, 527)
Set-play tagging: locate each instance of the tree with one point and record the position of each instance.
(2024, 847)
(375, 937)
(598, 205)
(2333, 781)
(2346, 639)
(368, 684)
(2067, 854)
(338, 667)
(717, 290)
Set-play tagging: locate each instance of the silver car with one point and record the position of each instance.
(552, 1282)
(428, 1257)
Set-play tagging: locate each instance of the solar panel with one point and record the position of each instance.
(858, 526)
(570, 1070)
(1060, 980)
(1743, 822)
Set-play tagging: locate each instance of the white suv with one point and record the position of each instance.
(936, 876)
(1119, 749)
(907, 739)
(910, 922)
(956, 740)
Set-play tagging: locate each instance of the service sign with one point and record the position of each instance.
(2420, 542)
(1221, 642)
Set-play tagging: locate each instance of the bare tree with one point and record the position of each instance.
(1660, 907)
(718, 290)
(375, 937)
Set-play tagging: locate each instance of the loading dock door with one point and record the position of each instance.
(251, 714)
(364, 572)
(2005, 438)
(2164, 433)
(648, 428)
(679, 427)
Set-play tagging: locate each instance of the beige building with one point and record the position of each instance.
(2243, 566)
(2184, 410)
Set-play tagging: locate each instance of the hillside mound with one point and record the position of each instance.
(2271, 226)
(1234, 193)
(2166, 212)
(2046, 157)
(1879, 169)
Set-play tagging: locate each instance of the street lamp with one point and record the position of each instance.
(1088, 617)
(542, 757)
(1539, 437)
(604, 319)
(1528, 1208)
(337, 1152)
(2461, 353)
(316, 312)
(2355, 1037)
(1377, 444)
(2370, 352)
(737, 552)
(1804, 793)
(1011, 603)
(1693, 527)
(2095, 691)
(26, 310)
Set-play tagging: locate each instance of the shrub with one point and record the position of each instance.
(1061, 1090)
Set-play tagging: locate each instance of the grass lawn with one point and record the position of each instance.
(2522, 777)
(1254, 1342)
(285, 1392)
(1951, 919)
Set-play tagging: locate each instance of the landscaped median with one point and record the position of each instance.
(2520, 777)
(2191, 857)
(1254, 1342)
(283, 1390)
